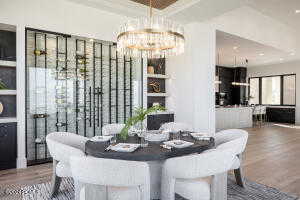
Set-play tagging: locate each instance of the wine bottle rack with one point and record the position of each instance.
(74, 84)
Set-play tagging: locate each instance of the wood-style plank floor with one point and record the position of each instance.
(272, 158)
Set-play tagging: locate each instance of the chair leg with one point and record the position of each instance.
(55, 181)
(238, 173)
(219, 187)
(77, 191)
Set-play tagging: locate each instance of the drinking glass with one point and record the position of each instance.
(113, 140)
(144, 142)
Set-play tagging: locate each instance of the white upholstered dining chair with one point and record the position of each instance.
(176, 127)
(63, 145)
(114, 179)
(193, 176)
(112, 129)
(239, 137)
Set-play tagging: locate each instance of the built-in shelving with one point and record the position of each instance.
(161, 76)
(7, 119)
(4, 63)
(162, 113)
(157, 94)
(8, 92)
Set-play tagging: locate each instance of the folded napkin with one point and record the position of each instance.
(201, 136)
(178, 143)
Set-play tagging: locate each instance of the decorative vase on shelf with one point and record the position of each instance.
(150, 70)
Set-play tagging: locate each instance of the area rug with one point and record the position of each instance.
(252, 191)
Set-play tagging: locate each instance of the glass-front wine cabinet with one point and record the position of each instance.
(76, 85)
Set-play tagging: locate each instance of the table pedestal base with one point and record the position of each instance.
(155, 178)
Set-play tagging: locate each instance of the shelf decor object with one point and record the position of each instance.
(151, 37)
(79, 85)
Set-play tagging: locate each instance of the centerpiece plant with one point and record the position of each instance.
(139, 116)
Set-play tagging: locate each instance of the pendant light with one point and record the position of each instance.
(217, 81)
(235, 83)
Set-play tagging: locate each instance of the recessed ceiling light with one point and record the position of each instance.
(281, 59)
(235, 48)
(297, 11)
(261, 54)
(292, 53)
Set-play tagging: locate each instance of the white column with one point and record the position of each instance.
(191, 87)
(21, 137)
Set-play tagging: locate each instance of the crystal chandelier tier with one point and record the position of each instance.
(151, 37)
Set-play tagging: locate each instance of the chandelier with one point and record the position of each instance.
(151, 37)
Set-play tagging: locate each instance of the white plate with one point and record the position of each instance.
(125, 147)
(104, 138)
(178, 143)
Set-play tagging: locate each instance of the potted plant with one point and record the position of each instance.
(138, 119)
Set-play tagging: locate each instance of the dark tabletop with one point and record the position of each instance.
(151, 153)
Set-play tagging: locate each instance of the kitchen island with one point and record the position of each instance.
(233, 117)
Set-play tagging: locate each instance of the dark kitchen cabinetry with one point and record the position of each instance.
(239, 92)
(234, 94)
(8, 145)
(226, 78)
(281, 115)
(155, 121)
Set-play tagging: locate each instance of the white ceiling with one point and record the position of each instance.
(200, 10)
(231, 46)
(182, 10)
(281, 10)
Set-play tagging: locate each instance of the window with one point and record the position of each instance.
(289, 90)
(270, 90)
(254, 91)
(273, 90)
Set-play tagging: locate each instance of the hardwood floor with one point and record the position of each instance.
(271, 158)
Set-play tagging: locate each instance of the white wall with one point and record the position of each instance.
(55, 15)
(279, 69)
(192, 79)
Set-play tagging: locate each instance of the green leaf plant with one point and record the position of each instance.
(140, 115)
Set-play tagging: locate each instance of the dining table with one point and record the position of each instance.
(154, 154)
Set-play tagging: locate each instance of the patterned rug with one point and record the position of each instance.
(252, 191)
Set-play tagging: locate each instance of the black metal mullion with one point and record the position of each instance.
(46, 123)
(109, 102)
(124, 87)
(94, 89)
(35, 119)
(57, 129)
(281, 89)
(66, 67)
(84, 85)
(260, 91)
(117, 77)
(26, 93)
(76, 89)
(101, 90)
(130, 87)
(142, 81)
